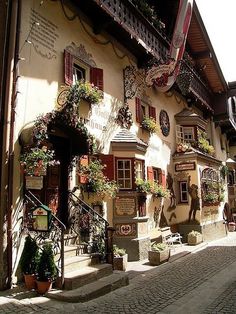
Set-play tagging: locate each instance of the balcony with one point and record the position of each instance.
(122, 20)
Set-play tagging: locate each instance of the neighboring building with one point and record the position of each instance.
(143, 74)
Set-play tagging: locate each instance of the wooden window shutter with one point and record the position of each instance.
(96, 77)
(152, 112)
(83, 162)
(68, 67)
(108, 160)
(138, 109)
(150, 175)
(163, 178)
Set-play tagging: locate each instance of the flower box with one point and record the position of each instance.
(120, 262)
(158, 257)
(194, 239)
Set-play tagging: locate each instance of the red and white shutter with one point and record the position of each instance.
(83, 162)
(152, 112)
(96, 77)
(150, 174)
(108, 161)
(138, 109)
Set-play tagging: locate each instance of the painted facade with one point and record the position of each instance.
(54, 37)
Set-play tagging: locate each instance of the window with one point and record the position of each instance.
(183, 188)
(76, 69)
(157, 175)
(124, 174)
(139, 173)
(184, 134)
(79, 73)
(143, 109)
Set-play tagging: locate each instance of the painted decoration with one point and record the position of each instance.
(164, 74)
(126, 229)
(125, 206)
(164, 123)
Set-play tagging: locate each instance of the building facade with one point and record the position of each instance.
(155, 129)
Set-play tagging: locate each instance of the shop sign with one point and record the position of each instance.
(125, 206)
(34, 183)
(185, 166)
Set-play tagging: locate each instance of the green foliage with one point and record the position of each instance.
(46, 268)
(224, 171)
(211, 197)
(194, 233)
(29, 257)
(84, 90)
(36, 160)
(159, 246)
(152, 187)
(203, 143)
(97, 181)
(150, 125)
(118, 251)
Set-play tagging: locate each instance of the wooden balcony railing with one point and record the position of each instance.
(133, 22)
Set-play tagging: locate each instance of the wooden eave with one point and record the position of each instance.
(200, 48)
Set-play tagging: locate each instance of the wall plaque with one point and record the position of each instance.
(125, 206)
(34, 183)
(185, 166)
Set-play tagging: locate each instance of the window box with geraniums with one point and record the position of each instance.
(182, 147)
(96, 181)
(150, 125)
(152, 187)
(120, 259)
(159, 253)
(211, 198)
(86, 91)
(194, 237)
(203, 144)
(35, 160)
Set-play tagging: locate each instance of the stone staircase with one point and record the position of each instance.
(86, 277)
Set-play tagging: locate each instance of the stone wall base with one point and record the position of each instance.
(137, 249)
(210, 232)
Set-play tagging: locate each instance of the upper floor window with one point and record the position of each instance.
(124, 173)
(143, 109)
(75, 69)
(184, 134)
(183, 189)
(139, 171)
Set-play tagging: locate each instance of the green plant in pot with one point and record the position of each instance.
(120, 259)
(46, 269)
(159, 253)
(28, 262)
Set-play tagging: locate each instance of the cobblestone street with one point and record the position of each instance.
(201, 282)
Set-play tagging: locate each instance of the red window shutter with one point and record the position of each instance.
(108, 160)
(152, 112)
(150, 175)
(68, 67)
(138, 110)
(96, 77)
(163, 178)
(83, 162)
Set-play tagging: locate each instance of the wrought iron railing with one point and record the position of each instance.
(132, 21)
(55, 235)
(90, 226)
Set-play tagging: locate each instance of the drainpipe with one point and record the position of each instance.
(12, 90)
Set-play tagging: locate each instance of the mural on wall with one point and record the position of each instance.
(126, 229)
(195, 201)
(134, 82)
(169, 182)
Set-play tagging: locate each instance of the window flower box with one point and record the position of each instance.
(159, 253)
(194, 238)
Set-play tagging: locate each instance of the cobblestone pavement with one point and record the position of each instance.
(201, 282)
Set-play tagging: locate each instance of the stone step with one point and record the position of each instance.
(76, 262)
(85, 275)
(91, 290)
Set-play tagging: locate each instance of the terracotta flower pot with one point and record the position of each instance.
(43, 286)
(30, 281)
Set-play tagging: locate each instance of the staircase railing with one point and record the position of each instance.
(89, 226)
(55, 235)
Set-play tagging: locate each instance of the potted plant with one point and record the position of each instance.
(159, 253)
(86, 91)
(150, 125)
(36, 160)
(28, 262)
(194, 237)
(46, 269)
(231, 226)
(120, 258)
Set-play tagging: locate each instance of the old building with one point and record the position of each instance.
(152, 126)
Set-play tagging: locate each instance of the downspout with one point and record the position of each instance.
(15, 34)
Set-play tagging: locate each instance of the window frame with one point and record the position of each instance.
(183, 191)
(124, 169)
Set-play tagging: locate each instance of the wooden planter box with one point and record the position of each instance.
(158, 257)
(194, 240)
(121, 262)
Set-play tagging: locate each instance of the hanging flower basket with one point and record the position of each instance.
(36, 160)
